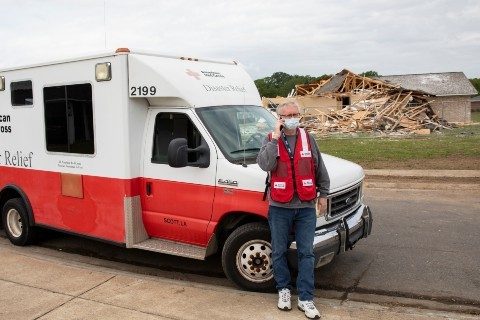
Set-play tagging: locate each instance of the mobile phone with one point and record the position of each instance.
(282, 125)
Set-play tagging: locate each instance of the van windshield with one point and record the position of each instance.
(239, 131)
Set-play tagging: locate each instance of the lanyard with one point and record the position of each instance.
(287, 145)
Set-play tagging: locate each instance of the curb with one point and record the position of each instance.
(422, 185)
(423, 173)
(423, 179)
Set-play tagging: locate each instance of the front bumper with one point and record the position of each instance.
(337, 237)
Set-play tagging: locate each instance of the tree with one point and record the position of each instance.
(370, 74)
(278, 79)
(323, 77)
(281, 83)
(476, 83)
(265, 89)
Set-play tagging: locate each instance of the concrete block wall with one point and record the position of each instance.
(475, 105)
(453, 108)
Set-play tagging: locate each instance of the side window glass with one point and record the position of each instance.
(22, 93)
(69, 118)
(169, 126)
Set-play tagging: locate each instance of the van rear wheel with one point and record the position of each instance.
(16, 224)
(247, 257)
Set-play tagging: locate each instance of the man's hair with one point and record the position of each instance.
(287, 104)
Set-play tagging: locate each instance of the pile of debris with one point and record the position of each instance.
(377, 106)
(393, 111)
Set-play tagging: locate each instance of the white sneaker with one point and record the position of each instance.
(309, 307)
(284, 302)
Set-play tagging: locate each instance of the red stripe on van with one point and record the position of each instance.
(98, 214)
(178, 211)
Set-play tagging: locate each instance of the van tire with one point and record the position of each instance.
(16, 224)
(246, 258)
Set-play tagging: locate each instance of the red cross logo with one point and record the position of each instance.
(193, 74)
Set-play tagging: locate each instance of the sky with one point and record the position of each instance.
(298, 37)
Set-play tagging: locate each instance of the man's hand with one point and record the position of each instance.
(322, 205)
(278, 129)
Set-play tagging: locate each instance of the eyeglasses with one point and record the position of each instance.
(289, 116)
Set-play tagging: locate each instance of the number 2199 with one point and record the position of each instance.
(143, 91)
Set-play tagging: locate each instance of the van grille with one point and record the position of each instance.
(344, 201)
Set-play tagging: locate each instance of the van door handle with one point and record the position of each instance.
(149, 188)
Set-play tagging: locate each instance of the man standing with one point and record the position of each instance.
(297, 176)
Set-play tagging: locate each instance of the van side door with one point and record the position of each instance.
(177, 202)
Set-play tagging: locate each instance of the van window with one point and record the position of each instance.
(69, 118)
(239, 131)
(22, 93)
(169, 126)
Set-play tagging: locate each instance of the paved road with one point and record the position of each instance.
(424, 246)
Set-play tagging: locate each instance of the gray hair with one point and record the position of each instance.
(287, 104)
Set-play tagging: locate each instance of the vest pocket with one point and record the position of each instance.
(306, 189)
(280, 191)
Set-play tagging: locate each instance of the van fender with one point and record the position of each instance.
(11, 191)
(228, 222)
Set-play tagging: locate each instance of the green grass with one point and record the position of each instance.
(476, 116)
(459, 144)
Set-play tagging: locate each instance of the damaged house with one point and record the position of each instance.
(348, 102)
(452, 92)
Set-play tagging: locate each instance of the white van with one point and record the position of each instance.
(157, 153)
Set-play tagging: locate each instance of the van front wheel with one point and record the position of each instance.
(15, 222)
(247, 257)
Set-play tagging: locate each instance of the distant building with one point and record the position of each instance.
(452, 91)
(475, 103)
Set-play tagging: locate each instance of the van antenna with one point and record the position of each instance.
(104, 23)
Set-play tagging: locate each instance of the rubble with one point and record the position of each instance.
(378, 106)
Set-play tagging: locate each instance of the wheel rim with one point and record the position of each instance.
(254, 261)
(14, 223)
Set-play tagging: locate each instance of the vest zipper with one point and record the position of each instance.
(294, 179)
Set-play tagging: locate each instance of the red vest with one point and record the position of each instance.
(294, 175)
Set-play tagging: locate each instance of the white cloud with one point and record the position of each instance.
(307, 37)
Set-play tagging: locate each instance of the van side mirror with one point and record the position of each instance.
(178, 151)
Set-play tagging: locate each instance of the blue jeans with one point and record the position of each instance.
(281, 221)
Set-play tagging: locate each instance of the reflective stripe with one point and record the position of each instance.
(278, 150)
(303, 136)
(305, 153)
